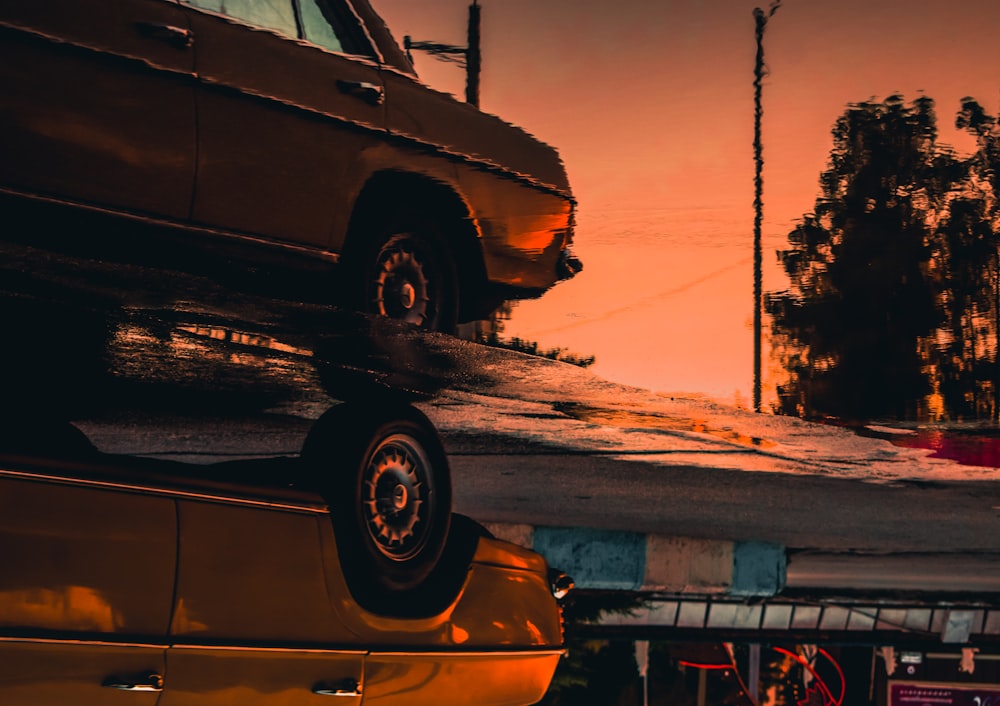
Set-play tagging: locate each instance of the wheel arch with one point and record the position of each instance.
(335, 456)
(394, 192)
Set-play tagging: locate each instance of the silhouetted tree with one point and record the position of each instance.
(963, 349)
(863, 296)
(974, 389)
(985, 163)
(894, 303)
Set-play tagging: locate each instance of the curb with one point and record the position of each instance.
(632, 561)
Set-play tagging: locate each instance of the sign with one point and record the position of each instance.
(918, 694)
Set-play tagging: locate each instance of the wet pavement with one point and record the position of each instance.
(177, 365)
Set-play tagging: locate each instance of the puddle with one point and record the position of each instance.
(969, 447)
(626, 419)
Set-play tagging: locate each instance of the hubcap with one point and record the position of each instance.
(407, 295)
(397, 497)
(402, 287)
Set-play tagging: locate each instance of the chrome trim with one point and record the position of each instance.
(151, 682)
(374, 61)
(383, 133)
(378, 56)
(278, 650)
(186, 226)
(415, 651)
(347, 687)
(91, 643)
(541, 651)
(35, 34)
(174, 493)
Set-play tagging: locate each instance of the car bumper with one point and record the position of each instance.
(568, 265)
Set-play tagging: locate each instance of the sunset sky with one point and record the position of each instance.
(651, 107)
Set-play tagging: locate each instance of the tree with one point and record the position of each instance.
(864, 298)
(963, 349)
(970, 373)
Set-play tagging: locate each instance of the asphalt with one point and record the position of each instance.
(682, 493)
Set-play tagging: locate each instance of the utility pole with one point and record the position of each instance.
(760, 22)
(473, 56)
(469, 57)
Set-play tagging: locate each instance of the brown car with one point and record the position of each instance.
(287, 129)
(136, 581)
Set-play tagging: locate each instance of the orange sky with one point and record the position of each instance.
(650, 105)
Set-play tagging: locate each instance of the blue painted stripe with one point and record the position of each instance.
(759, 569)
(602, 559)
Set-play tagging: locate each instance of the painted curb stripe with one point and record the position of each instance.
(759, 569)
(601, 559)
(632, 561)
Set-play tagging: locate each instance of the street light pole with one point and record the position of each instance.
(760, 22)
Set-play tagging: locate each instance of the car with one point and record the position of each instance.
(150, 581)
(293, 131)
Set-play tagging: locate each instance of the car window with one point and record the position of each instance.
(317, 25)
(323, 23)
(278, 15)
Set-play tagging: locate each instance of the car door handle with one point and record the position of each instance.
(368, 92)
(177, 36)
(144, 682)
(346, 687)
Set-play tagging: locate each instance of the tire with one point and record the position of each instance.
(385, 476)
(406, 272)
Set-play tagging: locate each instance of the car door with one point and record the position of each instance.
(282, 120)
(86, 589)
(97, 103)
(253, 623)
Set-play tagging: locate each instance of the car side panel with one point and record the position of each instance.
(518, 593)
(522, 612)
(96, 107)
(523, 230)
(515, 186)
(279, 142)
(253, 622)
(434, 118)
(85, 559)
(252, 575)
(207, 676)
(496, 645)
(85, 590)
(488, 679)
(63, 673)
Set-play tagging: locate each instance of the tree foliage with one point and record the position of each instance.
(892, 304)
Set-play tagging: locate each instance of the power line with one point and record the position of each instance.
(647, 300)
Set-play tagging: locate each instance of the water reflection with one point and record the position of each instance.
(628, 419)
(86, 343)
(625, 671)
(894, 303)
(972, 446)
(80, 608)
(798, 650)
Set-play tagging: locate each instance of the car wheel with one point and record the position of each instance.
(411, 278)
(385, 476)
